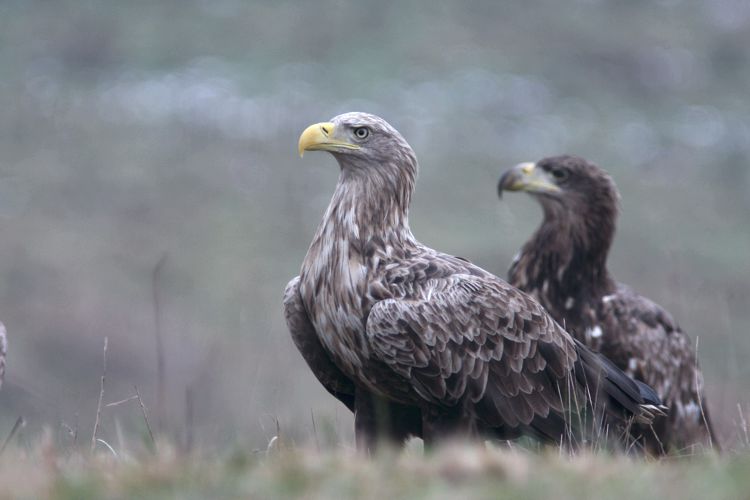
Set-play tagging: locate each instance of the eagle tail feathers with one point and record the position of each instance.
(625, 397)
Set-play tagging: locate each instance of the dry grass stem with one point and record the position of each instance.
(145, 415)
(189, 419)
(743, 424)
(700, 398)
(315, 430)
(13, 431)
(101, 396)
(160, 362)
(121, 402)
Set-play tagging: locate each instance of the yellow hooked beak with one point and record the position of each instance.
(322, 137)
(526, 177)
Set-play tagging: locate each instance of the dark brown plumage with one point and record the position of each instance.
(392, 327)
(564, 265)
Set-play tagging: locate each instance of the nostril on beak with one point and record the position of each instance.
(325, 130)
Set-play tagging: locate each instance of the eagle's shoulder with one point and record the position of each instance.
(648, 343)
(634, 312)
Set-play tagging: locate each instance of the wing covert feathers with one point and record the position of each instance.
(475, 338)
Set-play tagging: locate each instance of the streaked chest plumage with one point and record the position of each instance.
(345, 273)
(333, 284)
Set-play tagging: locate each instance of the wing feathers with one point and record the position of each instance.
(504, 360)
(510, 362)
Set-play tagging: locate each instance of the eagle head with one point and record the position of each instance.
(359, 141)
(571, 181)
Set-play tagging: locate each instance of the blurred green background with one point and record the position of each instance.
(136, 131)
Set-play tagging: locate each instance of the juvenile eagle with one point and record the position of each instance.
(444, 348)
(564, 266)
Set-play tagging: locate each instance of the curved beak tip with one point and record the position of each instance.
(507, 182)
(516, 179)
(314, 136)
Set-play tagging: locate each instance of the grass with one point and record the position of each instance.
(453, 472)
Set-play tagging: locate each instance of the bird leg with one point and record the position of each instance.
(441, 425)
(378, 422)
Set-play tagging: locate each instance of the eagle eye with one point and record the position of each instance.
(361, 133)
(560, 174)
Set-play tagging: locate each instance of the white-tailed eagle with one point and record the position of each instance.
(424, 343)
(564, 266)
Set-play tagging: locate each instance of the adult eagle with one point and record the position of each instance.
(564, 266)
(436, 344)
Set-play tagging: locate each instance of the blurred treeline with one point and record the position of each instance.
(136, 131)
